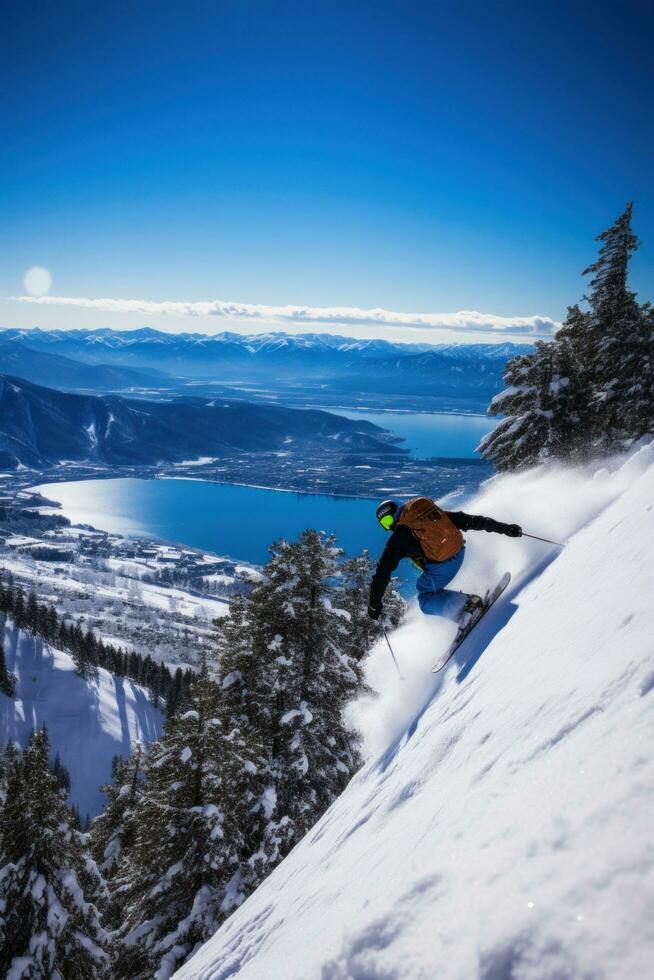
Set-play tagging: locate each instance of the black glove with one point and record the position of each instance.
(513, 530)
(374, 611)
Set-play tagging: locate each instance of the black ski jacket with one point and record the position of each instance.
(402, 544)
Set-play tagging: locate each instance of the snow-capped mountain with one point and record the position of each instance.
(42, 426)
(472, 371)
(90, 345)
(502, 827)
(89, 722)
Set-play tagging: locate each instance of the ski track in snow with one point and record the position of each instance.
(88, 722)
(502, 827)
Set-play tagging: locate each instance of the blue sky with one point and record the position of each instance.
(414, 157)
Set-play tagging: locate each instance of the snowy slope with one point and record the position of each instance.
(88, 722)
(503, 827)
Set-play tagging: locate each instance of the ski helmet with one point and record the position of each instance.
(386, 512)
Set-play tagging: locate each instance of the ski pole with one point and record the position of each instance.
(547, 540)
(392, 654)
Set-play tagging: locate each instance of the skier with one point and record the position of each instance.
(431, 537)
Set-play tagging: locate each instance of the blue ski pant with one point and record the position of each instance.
(434, 599)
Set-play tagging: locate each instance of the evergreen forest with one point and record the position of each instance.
(255, 748)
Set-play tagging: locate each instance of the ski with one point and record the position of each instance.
(465, 632)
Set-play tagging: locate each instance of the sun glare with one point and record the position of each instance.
(37, 281)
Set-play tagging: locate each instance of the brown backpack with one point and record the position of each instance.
(438, 537)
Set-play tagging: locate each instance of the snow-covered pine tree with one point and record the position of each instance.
(7, 762)
(572, 406)
(620, 353)
(248, 764)
(181, 876)
(591, 389)
(250, 662)
(306, 677)
(112, 832)
(526, 434)
(52, 928)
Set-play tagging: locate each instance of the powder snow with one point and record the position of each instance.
(502, 825)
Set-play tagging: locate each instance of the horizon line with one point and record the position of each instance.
(462, 321)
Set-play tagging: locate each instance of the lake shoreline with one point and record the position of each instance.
(315, 484)
(262, 486)
(373, 410)
(425, 452)
(190, 513)
(338, 475)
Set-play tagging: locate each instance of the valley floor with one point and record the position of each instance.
(343, 474)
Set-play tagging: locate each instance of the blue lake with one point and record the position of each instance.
(240, 522)
(236, 521)
(428, 434)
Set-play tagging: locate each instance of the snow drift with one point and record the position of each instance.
(502, 827)
(88, 722)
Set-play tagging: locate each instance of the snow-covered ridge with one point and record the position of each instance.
(117, 339)
(88, 722)
(502, 827)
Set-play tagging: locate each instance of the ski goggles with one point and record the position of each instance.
(386, 521)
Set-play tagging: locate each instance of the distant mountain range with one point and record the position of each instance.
(47, 368)
(42, 426)
(471, 374)
(201, 355)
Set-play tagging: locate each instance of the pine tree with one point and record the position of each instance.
(7, 763)
(61, 774)
(574, 415)
(84, 653)
(320, 748)
(18, 611)
(241, 676)
(51, 926)
(113, 831)
(620, 353)
(175, 693)
(250, 661)
(6, 592)
(7, 678)
(524, 437)
(643, 396)
(305, 678)
(32, 612)
(75, 818)
(47, 622)
(182, 874)
(590, 390)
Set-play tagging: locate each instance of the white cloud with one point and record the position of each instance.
(465, 321)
